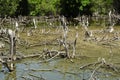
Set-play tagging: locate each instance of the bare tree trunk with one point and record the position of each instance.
(65, 31)
(12, 39)
(12, 48)
(74, 45)
(65, 44)
(109, 19)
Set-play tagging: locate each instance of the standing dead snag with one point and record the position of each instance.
(110, 17)
(30, 32)
(16, 26)
(74, 45)
(17, 31)
(85, 24)
(34, 22)
(110, 28)
(64, 24)
(65, 31)
(5, 67)
(12, 39)
(65, 44)
(108, 31)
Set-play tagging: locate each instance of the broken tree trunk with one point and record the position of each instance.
(74, 45)
(12, 39)
(65, 31)
(65, 44)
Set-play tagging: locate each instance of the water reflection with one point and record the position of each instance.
(7, 72)
(32, 70)
(2, 76)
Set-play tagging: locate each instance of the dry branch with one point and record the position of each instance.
(90, 64)
(31, 56)
(38, 77)
(53, 55)
(41, 69)
(102, 64)
(91, 77)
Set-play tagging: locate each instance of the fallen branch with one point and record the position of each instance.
(40, 78)
(41, 69)
(26, 78)
(111, 67)
(50, 58)
(31, 56)
(91, 77)
(90, 64)
(66, 72)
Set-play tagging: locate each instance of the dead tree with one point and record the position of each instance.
(110, 17)
(5, 67)
(64, 24)
(30, 32)
(111, 21)
(12, 50)
(74, 45)
(12, 39)
(16, 26)
(108, 31)
(34, 22)
(85, 24)
(65, 31)
(17, 32)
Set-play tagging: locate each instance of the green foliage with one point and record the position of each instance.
(69, 8)
(42, 7)
(84, 3)
(101, 6)
(8, 7)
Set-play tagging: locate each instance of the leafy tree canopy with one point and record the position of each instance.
(42, 7)
(8, 7)
(69, 8)
(101, 6)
